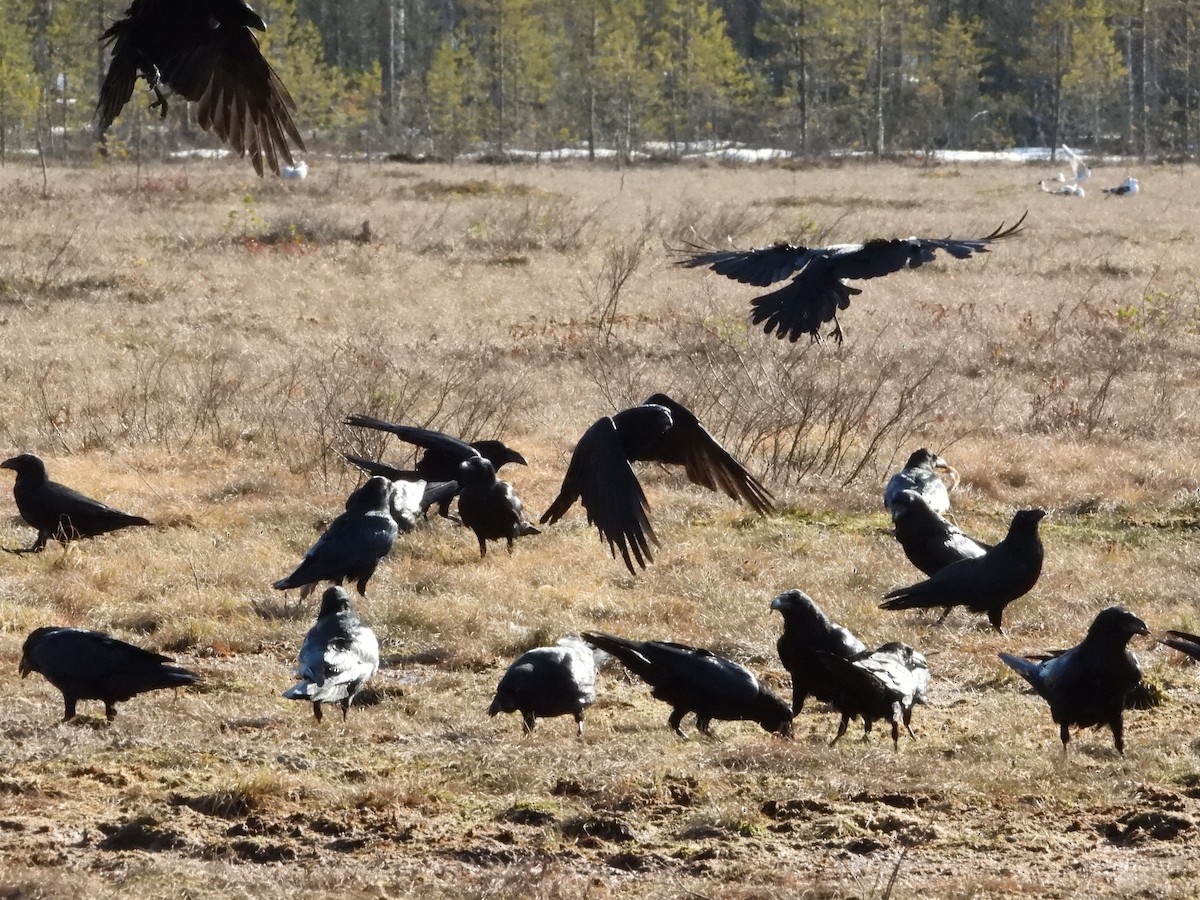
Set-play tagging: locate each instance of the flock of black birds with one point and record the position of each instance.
(1085, 686)
(206, 51)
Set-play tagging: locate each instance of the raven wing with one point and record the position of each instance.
(687, 443)
(760, 267)
(600, 477)
(421, 437)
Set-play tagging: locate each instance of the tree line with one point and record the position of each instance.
(446, 77)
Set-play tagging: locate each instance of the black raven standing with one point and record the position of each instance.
(692, 679)
(358, 539)
(930, 542)
(57, 511)
(819, 290)
(488, 506)
(1087, 684)
(985, 584)
(601, 478)
(205, 51)
(339, 655)
(878, 684)
(549, 681)
(90, 665)
(808, 632)
(922, 474)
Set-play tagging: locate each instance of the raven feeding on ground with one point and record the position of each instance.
(57, 511)
(339, 655)
(601, 478)
(205, 51)
(878, 684)
(488, 506)
(1087, 684)
(922, 474)
(808, 632)
(930, 542)
(90, 665)
(355, 542)
(985, 584)
(691, 679)
(818, 289)
(439, 463)
(549, 681)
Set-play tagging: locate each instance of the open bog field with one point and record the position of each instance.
(183, 343)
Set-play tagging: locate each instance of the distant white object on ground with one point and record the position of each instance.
(297, 172)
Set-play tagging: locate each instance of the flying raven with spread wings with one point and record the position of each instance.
(818, 287)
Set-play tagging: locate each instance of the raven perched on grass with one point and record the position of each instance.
(878, 684)
(549, 681)
(338, 656)
(922, 474)
(692, 679)
(818, 289)
(1087, 684)
(930, 542)
(355, 542)
(57, 511)
(90, 665)
(488, 506)
(985, 584)
(601, 478)
(205, 51)
(808, 633)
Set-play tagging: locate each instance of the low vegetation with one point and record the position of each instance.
(165, 356)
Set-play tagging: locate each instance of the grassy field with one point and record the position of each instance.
(184, 342)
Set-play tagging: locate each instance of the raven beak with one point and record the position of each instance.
(950, 472)
(518, 459)
(9, 463)
(777, 603)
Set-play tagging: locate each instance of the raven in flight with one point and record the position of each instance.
(205, 51)
(57, 511)
(359, 538)
(923, 474)
(985, 584)
(601, 478)
(818, 289)
(549, 681)
(339, 655)
(488, 506)
(90, 665)
(878, 684)
(807, 633)
(1087, 684)
(691, 679)
(930, 542)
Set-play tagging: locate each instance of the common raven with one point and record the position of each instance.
(878, 684)
(440, 460)
(601, 478)
(985, 584)
(90, 665)
(339, 655)
(818, 289)
(205, 51)
(488, 506)
(1087, 684)
(922, 474)
(1183, 642)
(57, 511)
(930, 542)
(808, 632)
(549, 681)
(359, 538)
(691, 679)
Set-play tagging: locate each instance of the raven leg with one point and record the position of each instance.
(69, 707)
(676, 721)
(317, 710)
(579, 723)
(845, 723)
(1118, 729)
(110, 710)
(528, 720)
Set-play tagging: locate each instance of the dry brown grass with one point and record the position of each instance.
(187, 350)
